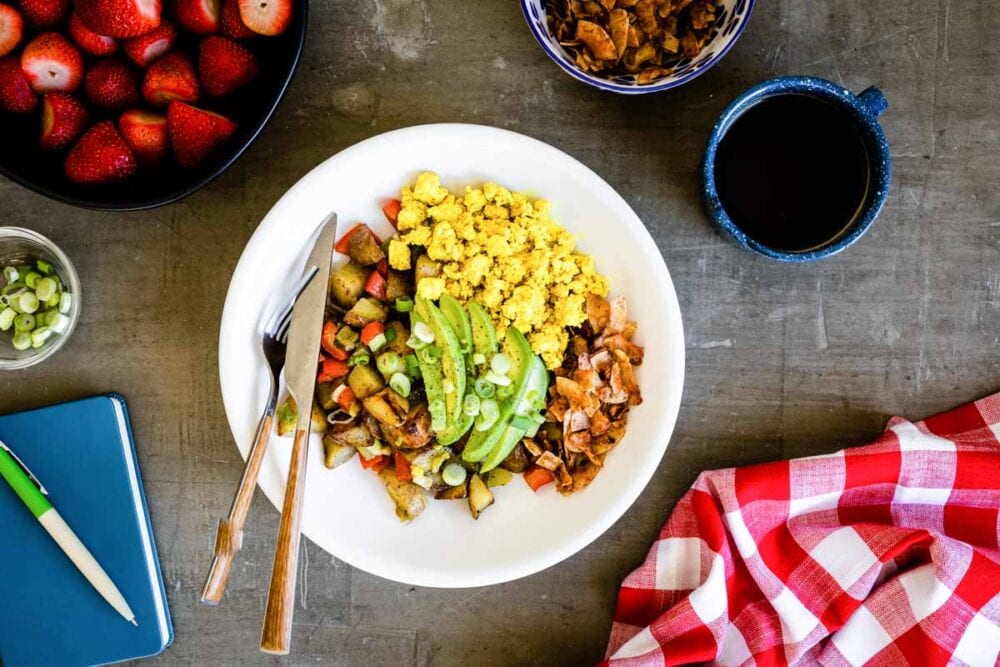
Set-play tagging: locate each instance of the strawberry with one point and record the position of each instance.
(44, 13)
(111, 83)
(100, 156)
(63, 118)
(195, 134)
(230, 23)
(147, 48)
(120, 18)
(266, 17)
(224, 65)
(170, 78)
(90, 41)
(16, 95)
(146, 133)
(52, 64)
(198, 16)
(11, 29)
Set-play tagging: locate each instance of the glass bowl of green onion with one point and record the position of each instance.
(39, 298)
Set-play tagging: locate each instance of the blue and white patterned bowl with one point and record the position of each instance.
(731, 18)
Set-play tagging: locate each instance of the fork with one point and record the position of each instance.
(229, 537)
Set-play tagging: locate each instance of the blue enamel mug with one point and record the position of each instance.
(862, 110)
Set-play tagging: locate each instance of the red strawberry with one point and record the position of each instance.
(112, 83)
(16, 95)
(90, 41)
(146, 133)
(195, 134)
(224, 65)
(230, 23)
(101, 156)
(120, 18)
(52, 64)
(170, 78)
(11, 29)
(44, 13)
(198, 16)
(147, 48)
(63, 118)
(266, 17)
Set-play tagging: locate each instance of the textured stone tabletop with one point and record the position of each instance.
(782, 360)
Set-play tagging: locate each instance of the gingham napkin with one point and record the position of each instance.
(885, 554)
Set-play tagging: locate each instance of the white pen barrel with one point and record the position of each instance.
(85, 562)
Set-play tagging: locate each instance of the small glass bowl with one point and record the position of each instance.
(18, 246)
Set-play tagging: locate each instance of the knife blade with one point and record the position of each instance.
(307, 324)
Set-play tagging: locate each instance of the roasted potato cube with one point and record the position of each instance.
(365, 381)
(407, 496)
(387, 406)
(350, 435)
(365, 311)
(398, 344)
(498, 477)
(336, 453)
(426, 268)
(364, 248)
(347, 284)
(453, 492)
(324, 394)
(397, 285)
(480, 496)
(517, 461)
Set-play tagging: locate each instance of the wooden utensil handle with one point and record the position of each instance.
(276, 634)
(229, 537)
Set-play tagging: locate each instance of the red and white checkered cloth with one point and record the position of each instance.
(885, 554)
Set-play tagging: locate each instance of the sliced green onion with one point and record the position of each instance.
(47, 317)
(439, 416)
(59, 324)
(390, 334)
(505, 392)
(24, 322)
(498, 379)
(423, 332)
(65, 302)
(404, 304)
(489, 412)
(359, 359)
(453, 474)
(22, 340)
(478, 359)
(53, 301)
(377, 342)
(28, 302)
(500, 363)
(415, 343)
(484, 388)
(470, 405)
(31, 279)
(40, 335)
(44, 267)
(45, 288)
(521, 422)
(10, 274)
(13, 288)
(389, 363)
(412, 365)
(7, 317)
(400, 384)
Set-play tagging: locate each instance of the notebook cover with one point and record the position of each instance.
(84, 455)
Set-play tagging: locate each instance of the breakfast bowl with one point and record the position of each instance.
(28, 257)
(731, 18)
(250, 107)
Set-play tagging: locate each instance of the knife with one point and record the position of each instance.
(300, 376)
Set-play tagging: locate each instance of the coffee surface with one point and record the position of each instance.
(792, 172)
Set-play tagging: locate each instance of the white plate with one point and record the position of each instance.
(347, 513)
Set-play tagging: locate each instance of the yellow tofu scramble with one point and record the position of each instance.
(503, 250)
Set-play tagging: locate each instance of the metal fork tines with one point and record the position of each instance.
(229, 537)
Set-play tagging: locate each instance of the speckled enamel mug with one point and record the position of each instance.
(863, 109)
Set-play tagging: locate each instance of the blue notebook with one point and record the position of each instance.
(83, 453)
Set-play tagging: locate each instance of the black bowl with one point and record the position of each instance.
(22, 161)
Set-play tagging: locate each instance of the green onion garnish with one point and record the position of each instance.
(28, 302)
(389, 363)
(489, 412)
(404, 304)
(498, 379)
(521, 422)
(10, 274)
(484, 388)
(390, 334)
(377, 342)
(453, 474)
(412, 365)
(44, 267)
(470, 405)
(24, 322)
(7, 317)
(400, 384)
(500, 363)
(31, 279)
(359, 359)
(22, 340)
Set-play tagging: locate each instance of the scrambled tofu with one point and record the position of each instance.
(503, 250)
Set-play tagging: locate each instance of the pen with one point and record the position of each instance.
(35, 497)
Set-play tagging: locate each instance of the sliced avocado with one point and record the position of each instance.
(430, 371)
(459, 321)
(484, 336)
(452, 359)
(455, 431)
(508, 441)
(536, 385)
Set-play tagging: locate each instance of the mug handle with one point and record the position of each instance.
(873, 100)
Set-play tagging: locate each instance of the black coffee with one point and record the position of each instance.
(792, 172)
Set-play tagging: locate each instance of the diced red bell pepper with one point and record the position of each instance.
(403, 471)
(345, 399)
(376, 285)
(383, 267)
(344, 244)
(331, 369)
(329, 337)
(371, 330)
(537, 477)
(391, 210)
(340, 353)
(377, 463)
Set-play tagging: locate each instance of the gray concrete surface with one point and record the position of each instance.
(782, 360)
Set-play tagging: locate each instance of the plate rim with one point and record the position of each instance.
(676, 357)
